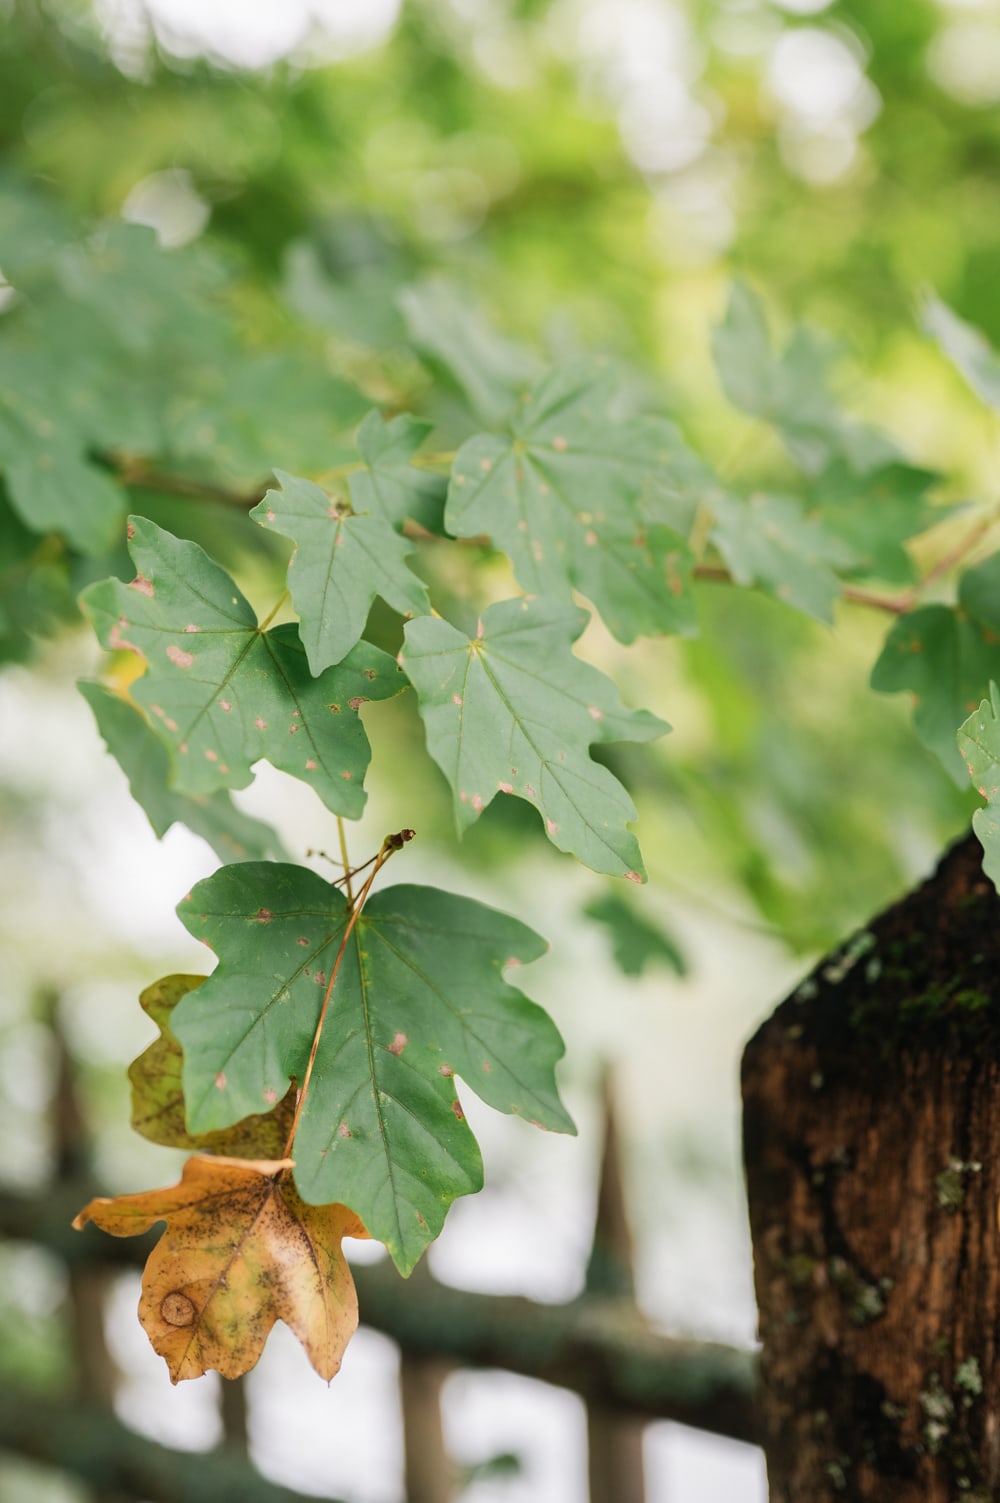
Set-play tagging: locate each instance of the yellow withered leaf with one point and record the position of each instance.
(241, 1250)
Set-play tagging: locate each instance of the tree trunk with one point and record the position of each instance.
(872, 1130)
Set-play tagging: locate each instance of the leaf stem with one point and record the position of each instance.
(342, 836)
(273, 612)
(390, 845)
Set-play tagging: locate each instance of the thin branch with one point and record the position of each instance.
(140, 476)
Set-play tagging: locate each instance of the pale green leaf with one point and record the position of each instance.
(790, 389)
(637, 943)
(158, 1097)
(220, 692)
(419, 998)
(947, 658)
(979, 745)
(767, 541)
(563, 495)
(875, 515)
(967, 349)
(51, 483)
(145, 761)
(513, 711)
(445, 324)
(389, 485)
(341, 562)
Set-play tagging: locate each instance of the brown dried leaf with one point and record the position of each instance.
(158, 1097)
(241, 1251)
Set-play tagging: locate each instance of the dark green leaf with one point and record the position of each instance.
(563, 496)
(513, 711)
(222, 693)
(637, 943)
(418, 999)
(145, 761)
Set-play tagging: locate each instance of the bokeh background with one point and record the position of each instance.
(369, 185)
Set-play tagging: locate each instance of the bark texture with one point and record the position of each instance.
(872, 1130)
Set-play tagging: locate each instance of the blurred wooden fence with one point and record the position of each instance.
(599, 1346)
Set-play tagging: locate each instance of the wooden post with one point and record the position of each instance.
(429, 1473)
(614, 1441)
(872, 1146)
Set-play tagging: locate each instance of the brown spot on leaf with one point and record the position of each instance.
(220, 1079)
(270, 1095)
(117, 641)
(357, 701)
(456, 1107)
(178, 1310)
(225, 704)
(263, 916)
(142, 584)
(446, 1070)
(399, 1043)
(179, 657)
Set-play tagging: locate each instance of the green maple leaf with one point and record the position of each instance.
(767, 541)
(220, 692)
(388, 485)
(341, 562)
(562, 494)
(445, 325)
(145, 761)
(790, 389)
(158, 1096)
(875, 515)
(967, 349)
(637, 943)
(947, 658)
(979, 746)
(513, 711)
(52, 485)
(419, 998)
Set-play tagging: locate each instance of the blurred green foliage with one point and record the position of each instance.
(421, 224)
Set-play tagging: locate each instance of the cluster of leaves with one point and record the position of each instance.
(370, 1009)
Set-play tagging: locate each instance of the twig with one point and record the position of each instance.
(390, 845)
